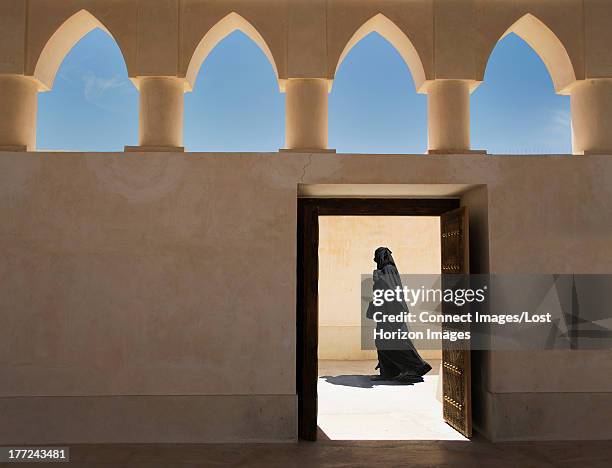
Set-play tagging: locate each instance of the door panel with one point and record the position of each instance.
(456, 370)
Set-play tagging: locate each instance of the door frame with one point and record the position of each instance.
(307, 313)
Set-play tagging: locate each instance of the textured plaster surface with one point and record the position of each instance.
(174, 275)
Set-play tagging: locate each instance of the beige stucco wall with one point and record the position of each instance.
(306, 38)
(151, 297)
(446, 44)
(346, 252)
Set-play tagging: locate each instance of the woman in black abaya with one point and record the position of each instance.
(397, 359)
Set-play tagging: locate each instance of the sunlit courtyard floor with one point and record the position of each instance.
(352, 407)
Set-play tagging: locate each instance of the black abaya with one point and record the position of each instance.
(397, 359)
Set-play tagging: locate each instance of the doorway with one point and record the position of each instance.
(450, 376)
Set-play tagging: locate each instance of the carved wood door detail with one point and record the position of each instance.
(456, 371)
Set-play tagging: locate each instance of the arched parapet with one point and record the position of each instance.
(382, 25)
(547, 45)
(47, 63)
(223, 28)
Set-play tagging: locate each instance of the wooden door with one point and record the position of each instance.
(456, 371)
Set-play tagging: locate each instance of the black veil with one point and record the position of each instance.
(387, 270)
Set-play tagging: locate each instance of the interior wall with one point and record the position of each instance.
(151, 297)
(346, 252)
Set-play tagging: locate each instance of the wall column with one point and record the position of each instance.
(18, 108)
(161, 114)
(449, 116)
(591, 104)
(306, 114)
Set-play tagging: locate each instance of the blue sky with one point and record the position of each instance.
(236, 105)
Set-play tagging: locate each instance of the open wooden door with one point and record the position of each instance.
(456, 370)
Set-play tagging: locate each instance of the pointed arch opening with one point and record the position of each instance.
(93, 105)
(517, 109)
(396, 37)
(229, 24)
(374, 106)
(61, 43)
(235, 104)
(548, 46)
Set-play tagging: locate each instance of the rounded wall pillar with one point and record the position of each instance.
(19, 105)
(306, 114)
(591, 105)
(161, 114)
(448, 116)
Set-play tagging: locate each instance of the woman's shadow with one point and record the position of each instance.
(359, 381)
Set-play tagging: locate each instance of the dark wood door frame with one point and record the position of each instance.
(307, 314)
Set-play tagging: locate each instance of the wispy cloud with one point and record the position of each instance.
(96, 86)
(556, 134)
(560, 121)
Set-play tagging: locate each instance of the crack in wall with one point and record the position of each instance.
(306, 166)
